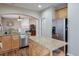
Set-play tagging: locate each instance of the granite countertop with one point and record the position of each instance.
(48, 43)
(1, 34)
(9, 34)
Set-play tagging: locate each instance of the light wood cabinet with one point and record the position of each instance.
(6, 41)
(37, 50)
(0, 38)
(61, 13)
(10, 42)
(0, 43)
(15, 41)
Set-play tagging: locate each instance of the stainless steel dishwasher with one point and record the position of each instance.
(24, 39)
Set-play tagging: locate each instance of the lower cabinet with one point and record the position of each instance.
(15, 42)
(0, 43)
(9, 42)
(36, 50)
(6, 42)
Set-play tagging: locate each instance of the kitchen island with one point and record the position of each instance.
(9, 42)
(44, 46)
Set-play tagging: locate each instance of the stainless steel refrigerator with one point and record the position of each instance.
(60, 27)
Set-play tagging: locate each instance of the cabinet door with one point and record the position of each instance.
(37, 50)
(15, 41)
(61, 13)
(6, 41)
(0, 43)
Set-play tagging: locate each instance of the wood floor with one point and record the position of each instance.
(19, 52)
(23, 52)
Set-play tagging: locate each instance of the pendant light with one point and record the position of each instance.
(19, 19)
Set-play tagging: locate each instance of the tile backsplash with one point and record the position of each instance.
(5, 29)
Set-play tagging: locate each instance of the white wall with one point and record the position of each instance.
(4, 9)
(32, 21)
(8, 9)
(46, 22)
(73, 31)
(39, 27)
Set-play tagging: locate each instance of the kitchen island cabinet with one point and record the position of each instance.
(9, 42)
(0, 43)
(40, 46)
(36, 50)
(15, 41)
(6, 42)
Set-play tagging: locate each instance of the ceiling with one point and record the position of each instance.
(34, 6)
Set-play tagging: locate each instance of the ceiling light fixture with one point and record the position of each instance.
(39, 6)
(19, 19)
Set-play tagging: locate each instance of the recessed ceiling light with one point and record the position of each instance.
(39, 6)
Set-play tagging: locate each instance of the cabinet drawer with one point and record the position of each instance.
(16, 37)
(6, 37)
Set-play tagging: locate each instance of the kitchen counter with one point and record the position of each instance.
(48, 43)
(9, 34)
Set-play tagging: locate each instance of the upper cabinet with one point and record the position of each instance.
(61, 13)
